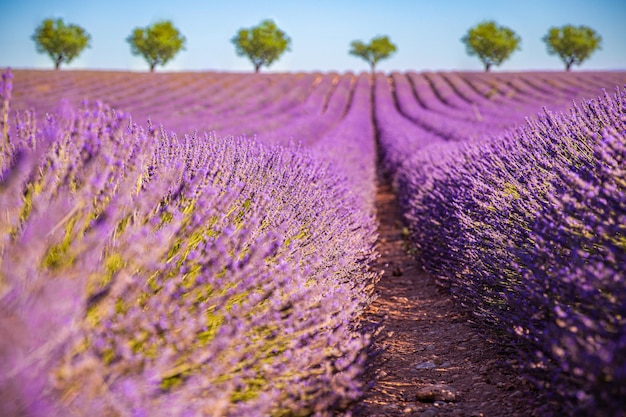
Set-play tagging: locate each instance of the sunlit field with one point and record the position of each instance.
(201, 243)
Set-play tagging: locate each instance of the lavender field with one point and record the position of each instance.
(202, 243)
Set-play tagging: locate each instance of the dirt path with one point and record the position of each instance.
(428, 348)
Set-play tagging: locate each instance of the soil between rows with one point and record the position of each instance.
(428, 347)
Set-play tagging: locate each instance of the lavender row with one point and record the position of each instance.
(290, 92)
(429, 99)
(175, 275)
(556, 89)
(215, 106)
(350, 146)
(263, 104)
(260, 103)
(179, 101)
(325, 108)
(293, 118)
(445, 125)
(456, 108)
(499, 94)
(398, 136)
(527, 229)
(492, 101)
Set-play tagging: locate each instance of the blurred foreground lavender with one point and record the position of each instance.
(146, 274)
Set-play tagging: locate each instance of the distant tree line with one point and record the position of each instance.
(264, 44)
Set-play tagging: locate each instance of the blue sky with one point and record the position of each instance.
(427, 33)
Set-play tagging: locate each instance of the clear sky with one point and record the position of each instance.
(427, 33)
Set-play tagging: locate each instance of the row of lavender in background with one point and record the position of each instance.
(528, 229)
(266, 104)
(145, 274)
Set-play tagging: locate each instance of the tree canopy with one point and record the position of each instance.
(492, 44)
(262, 44)
(157, 43)
(61, 42)
(573, 44)
(379, 48)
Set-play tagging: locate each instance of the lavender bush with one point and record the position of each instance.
(175, 276)
(351, 146)
(579, 259)
(527, 229)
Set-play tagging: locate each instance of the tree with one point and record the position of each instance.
(379, 48)
(573, 44)
(157, 43)
(262, 44)
(492, 44)
(61, 42)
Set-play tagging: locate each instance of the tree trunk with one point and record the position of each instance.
(57, 63)
(257, 67)
(373, 66)
(152, 66)
(568, 65)
(487, 66)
